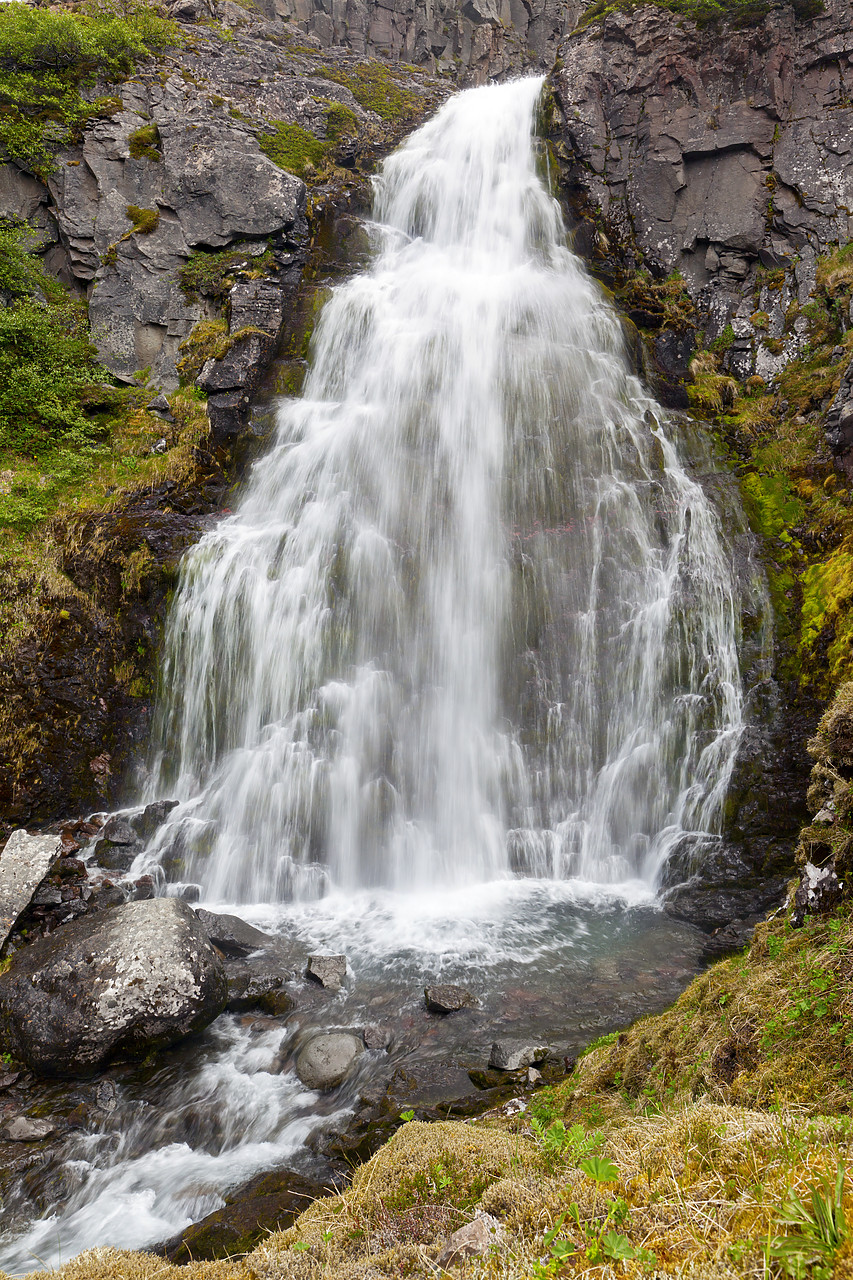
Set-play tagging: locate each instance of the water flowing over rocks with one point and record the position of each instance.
(136, 978)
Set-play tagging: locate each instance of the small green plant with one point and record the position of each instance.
(821, 1229)
(406, 1116)
(293, 148)
(565, 1146)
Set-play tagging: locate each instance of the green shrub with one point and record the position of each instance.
(48, 57)
(46, 363)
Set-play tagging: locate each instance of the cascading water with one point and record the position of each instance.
(444, 693)
(473, 616)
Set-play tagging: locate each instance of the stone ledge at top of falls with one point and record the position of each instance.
(135, 978)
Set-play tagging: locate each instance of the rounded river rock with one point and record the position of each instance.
(135, 978)
(327, 1060)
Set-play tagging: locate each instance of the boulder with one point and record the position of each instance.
(155, 814)
(327, 1060)
(376, 1037)
(25, 1129)
(512, 1055)
(24, 863)
(231, 934)
(131, 979)
(818, 892)
(329, 971)
(446, 998)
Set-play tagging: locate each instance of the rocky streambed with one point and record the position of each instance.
(184, 1077)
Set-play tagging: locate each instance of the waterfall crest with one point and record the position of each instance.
(473, 616)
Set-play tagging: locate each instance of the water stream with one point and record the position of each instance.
(449, 686)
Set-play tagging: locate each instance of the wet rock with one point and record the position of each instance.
(446, 998)
(119, 831)
(329, 971)
(376, 1037)
(135, 978)
(327, 1060)
(231, 934)
(24, 863)
(473, 1240)
(270, 1202)
(248, 989)
(152, 817)
(25, 1129)
(818, 892)
(512, 1055)
(7, 1079)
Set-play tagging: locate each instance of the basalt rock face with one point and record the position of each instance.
(711, 151)
(474, 40)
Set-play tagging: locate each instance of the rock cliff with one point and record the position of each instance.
(716, 153)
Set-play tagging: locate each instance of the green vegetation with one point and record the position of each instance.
(293, 148)
(144, 143)
(212, 274)
(794, 495)
(68, 436)
(374, 87)
(705, 13)
(144, 220)
(50, 59)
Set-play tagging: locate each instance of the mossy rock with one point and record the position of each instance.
(270, 1202)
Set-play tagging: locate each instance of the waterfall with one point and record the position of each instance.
(473, 617)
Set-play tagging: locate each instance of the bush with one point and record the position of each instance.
(46, 363)
(48, 56)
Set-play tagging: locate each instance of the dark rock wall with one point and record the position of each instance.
(714, 151)
(470, 41)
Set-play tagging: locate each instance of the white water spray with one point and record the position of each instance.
(473, 616)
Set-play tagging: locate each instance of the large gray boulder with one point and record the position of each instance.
(135, 978)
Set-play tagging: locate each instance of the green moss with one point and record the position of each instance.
(293, 148)
(209, 340)
(374, 87)
(212, 275)
(706, 13)
(341, 122)
(772, 506)
(144, 220)
(144, 143)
